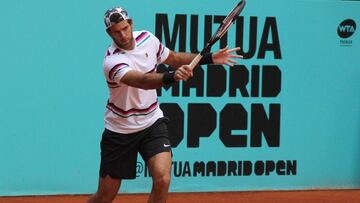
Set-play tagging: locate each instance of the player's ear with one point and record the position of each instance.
(130, 21)
(108, 31)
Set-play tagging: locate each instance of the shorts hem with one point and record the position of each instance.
(157, 152)
(103, 175)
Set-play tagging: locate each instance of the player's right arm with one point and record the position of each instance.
(154, 80)
(118, 70)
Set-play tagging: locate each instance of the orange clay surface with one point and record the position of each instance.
(313, 196)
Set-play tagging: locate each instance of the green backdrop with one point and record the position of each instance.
(298, 126)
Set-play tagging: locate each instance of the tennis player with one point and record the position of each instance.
(134, 123)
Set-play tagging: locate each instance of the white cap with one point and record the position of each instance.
(115, 15)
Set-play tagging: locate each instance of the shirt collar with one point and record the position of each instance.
(115, 49)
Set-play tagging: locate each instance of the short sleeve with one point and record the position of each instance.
(115, 71)
(162, 53)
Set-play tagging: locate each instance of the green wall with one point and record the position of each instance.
(53, 97)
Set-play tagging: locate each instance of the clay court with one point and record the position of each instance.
(263, 100)
(315, 196)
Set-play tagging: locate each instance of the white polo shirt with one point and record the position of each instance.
(131, 109)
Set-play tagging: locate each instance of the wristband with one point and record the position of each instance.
(206, 59)
(168, 78)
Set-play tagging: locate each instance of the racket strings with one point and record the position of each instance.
(229, 19)
(231, 15)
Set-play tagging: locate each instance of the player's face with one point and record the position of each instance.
(121, 33)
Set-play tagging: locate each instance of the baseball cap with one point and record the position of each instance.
(115, 15)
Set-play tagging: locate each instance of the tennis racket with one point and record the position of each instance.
(223, 28)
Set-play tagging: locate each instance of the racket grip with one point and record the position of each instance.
(195, 61)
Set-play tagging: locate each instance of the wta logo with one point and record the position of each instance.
(346, 28)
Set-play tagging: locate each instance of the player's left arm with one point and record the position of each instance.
(177, 59)
(223, 56)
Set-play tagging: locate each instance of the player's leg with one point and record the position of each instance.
(160, 169)
(156, 151)
(107, 190)
(118, 162)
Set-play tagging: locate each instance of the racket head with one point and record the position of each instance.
(225, 24)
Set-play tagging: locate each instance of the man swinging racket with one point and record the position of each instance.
(134, 123)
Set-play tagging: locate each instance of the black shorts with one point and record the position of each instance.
(119, 151)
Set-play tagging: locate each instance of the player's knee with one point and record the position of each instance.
(162, 182)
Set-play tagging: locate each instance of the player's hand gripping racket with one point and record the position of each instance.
(223, 28)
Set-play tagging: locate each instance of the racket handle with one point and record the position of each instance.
(195, 61)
